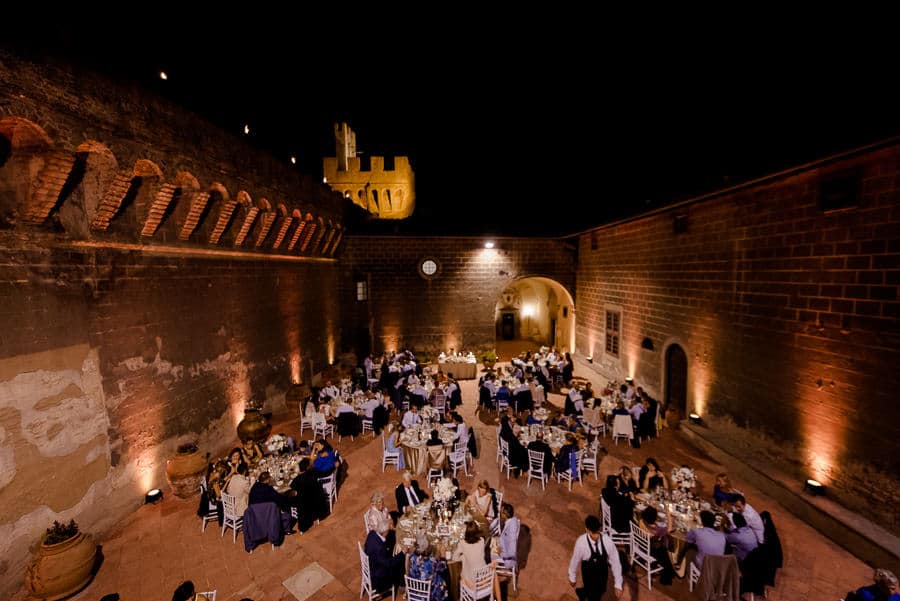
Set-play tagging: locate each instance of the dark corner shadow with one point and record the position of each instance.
(523, 546)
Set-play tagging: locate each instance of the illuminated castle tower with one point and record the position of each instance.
(387, 189)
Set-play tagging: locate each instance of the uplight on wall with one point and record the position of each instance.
(153, 496)
(695, 418)
(814, 487)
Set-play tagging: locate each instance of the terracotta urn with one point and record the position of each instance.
(184, 472)
(489, 364)
(673, 418)
(61, 569)
(254, 426)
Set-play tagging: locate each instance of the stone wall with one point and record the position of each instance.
(788, 315)
(454, 307)
(155, 274)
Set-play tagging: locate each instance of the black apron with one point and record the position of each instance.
(594, 572)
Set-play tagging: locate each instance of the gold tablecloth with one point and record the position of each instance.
(460, 371)
(415, 451)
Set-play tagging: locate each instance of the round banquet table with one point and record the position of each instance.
(415, 451)
(460, 370)
(409, 524)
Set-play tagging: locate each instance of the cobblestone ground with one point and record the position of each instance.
(162, 545)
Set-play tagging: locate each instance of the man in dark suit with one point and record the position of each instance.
(263, 492)
(408, 493)
(539, 445)
(385, 568)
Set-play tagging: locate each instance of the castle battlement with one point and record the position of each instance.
(385, 193)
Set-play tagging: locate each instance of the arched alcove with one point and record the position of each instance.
(538, 310)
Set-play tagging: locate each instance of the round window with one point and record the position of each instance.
(428, 268)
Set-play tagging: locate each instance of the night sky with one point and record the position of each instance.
(510, 131)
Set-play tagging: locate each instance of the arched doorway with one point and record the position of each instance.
(535, 311)
(676, 379)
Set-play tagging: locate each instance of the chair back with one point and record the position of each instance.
(536, 462)
(418, 590)
(640, 541)
(606, 515)
(484, 581)
(460, 446)
(437, 457)
(208, 595)
(622, 426)
(364, 566)
(538, 396)
(499, 495)
(228, 505)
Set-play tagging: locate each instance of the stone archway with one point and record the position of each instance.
(536, 311)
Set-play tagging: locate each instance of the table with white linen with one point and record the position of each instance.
(461, 370)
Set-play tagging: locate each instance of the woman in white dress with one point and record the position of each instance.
(483, 500)
(470, 551)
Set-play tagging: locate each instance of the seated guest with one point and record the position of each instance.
(531, 420)
(239, 487)
(185, 592)
(470, 551)
(723, 492)
(754, 521)
(883, 589)
(518, 456)
(509, 537)
(565, 459)
(251, 451)
(646, 425)
(741, 539)
(483, 500)
(325, 459)
(264, 492)
(311, 502)
(620, 409)
(651, 477)
(411, 417)
(542, 447)
(621, 506)
(462, 431)
(392, 443)
(454, 393)
(708, 540)
(659, 537)
(636, 410)
(588, 393)
(235, 460)
(377, 513)
(344, 407)
(408, 493)
(385, 568)
(435, 440)
(329, 391)
(627, 483)
(502, 394)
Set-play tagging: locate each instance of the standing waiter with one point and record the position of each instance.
(594, 551)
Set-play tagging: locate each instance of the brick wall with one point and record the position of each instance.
(119, 336)
(453, 308)
(788, 316)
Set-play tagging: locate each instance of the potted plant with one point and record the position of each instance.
(489, 359)
(63, 564)
(185, 470)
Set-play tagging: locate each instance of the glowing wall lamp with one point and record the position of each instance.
(489, 244)
(814, 487)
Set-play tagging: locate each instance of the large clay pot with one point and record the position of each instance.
(673, 418)
(254, 426)
(184, 472)
(489, 364)
(62, 569)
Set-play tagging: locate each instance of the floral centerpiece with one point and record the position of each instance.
(444, 499)
(684, 478)
(277, 443)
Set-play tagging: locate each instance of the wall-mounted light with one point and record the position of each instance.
(814, 487)
(153, 496)
(246, 128)
(293, 160)
(489, 244)
(324, 179)
(695, 418)
(163, 75)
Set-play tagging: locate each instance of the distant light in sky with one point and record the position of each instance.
(163, 75)
(246, 129)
